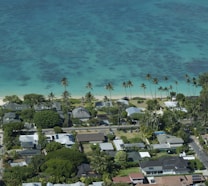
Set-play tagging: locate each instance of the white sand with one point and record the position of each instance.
(1, 101)
(98, 97)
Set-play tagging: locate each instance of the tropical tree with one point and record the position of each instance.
(66, 95)
(64, 82)
(102, 163)
(89, 86)
(143, 86)
(195, 84)
(109, 87)
(149, 77)
(160, 89)
(129, 85)
(27, 115)
(33, 99)
(203, 82)
(165, 89)
(166, 78)
(176, 86)
(124, 84)
(66, 107)
(155, 82)
(51, 96)
(12, 99)
(188, 81)
(121, 158)
(89, 97)
(47, 119)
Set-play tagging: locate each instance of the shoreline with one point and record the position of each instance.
(97, 97)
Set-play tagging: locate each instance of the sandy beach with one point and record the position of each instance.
(113, 97)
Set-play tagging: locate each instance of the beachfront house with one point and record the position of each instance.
(43, 106)
(101, 104)
(133, 110)
(81, 113)
(15, 106)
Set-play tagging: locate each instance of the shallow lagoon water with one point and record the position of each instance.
(100, 41)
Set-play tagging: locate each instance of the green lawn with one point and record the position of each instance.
(126, 172)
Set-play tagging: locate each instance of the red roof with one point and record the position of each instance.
(124, 179)
(136, 176)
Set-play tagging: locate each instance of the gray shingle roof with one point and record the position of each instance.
(175, 163)
(80, 113)
(90, 137)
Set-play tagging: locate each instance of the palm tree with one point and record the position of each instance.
(66, 95)
(166, 90)
(89, 86)
(188, 81)
(155, 81)
(166, 78)
(176, 83)
(149, 77)
(51, 96)
(89, 97)
(124, 84)
(160, 89)
(64, 82)
(130, 84)
(109, 87)
(144, 87)
(195, 84)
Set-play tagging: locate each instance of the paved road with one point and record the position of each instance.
(113, 127)
(199, 151)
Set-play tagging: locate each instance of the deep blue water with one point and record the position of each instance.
(100, 41)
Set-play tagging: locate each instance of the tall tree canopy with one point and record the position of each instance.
(32, 99)
(47, 119)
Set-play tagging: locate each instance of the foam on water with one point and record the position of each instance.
(100, 41)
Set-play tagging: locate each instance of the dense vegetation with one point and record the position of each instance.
(60, 163)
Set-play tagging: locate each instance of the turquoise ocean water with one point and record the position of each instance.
(100, 41)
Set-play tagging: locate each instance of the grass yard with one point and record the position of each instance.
(87, 148)
(128, 134)
(126, 172)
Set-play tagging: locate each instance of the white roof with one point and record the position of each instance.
(144, 154)
(132, 110)
(125, 102)
(18, 164)
(64, 184)
(189, 157)
(29, 138)
(64, 139)
(97, 183)
(118, 144)
(182, 109)
(170, 103)
(106, 146)
(32, 184)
